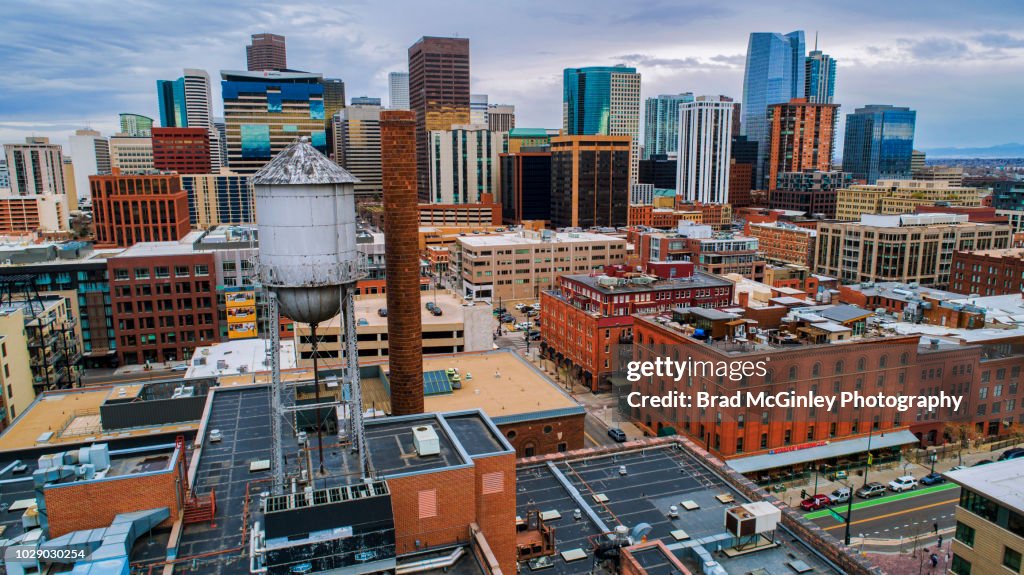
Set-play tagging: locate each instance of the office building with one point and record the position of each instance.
(661, 124)
(334, 96)
(128, 209)
(266, 52)
(801, 138)
(501, 117)
(782, 243)
(774, 74)
(705, 140)
(530, 139)
(988, 536)
(659, 170)
(819, 77)
(478, 109)
(266, 111)
(398, 91)
(879, 143)
(90, 155)
(198, 102)
(741, 184)
(906, 248)
(525, 187)
(357, 145)
(590, 181)
(438, 94)
(365, 101)
(35, 167)
(170, 96)
(518, 266)
(222, 142)
(952, 175)
(131, 155)
(988, 272)
(810, 192)
(711, 252)
(891, 197)
(603, 101)
(483, 214)
(182, 150)
(917, 160)
(587, 317)
(45, 214)
(135, 125)
(219, 199)
(464, 163)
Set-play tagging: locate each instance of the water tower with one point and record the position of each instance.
(308, 260)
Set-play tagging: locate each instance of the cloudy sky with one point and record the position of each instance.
(75, 63)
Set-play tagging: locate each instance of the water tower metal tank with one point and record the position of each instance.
(306, 214)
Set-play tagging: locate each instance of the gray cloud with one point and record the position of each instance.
(1000, 41)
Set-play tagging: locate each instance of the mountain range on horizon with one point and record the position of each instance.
(1013, 150)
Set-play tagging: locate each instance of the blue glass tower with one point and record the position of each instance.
(820, 78)
(661, 123)
(587, 99)
(774, 74)
(171, 97)
(879, 143)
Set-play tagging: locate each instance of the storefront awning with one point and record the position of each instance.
(832, 449)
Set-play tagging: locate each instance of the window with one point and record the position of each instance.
(792, 373)
(511, 434)
(547, 429)
(142, 273)
(959, 566)
(764, 441)
(1011, 559)
(816, 370)
(964, 534)
(181, 271)
(839, 367)
(202, 270)
(121, 274)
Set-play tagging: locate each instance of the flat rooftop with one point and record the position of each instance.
(999, 481)
(697, 280)
(655, 479)
(237, 357)
(516, 238)
(500, 382)
(367, 311)
(150, 249)
(72, 417)
(902, 292)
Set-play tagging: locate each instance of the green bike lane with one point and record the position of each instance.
(841, 508)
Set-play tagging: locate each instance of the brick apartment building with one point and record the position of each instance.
(587, 318)
(714, 254)
(182, 150)
(138, 208)
(988, 272)
(164, 301)
(782, 243)
(801, 137)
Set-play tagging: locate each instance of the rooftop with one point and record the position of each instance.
(526, 238)
(1000, 481)
(1003, 253)
(236, 357)
(153, 249)
(901, 292)
(367, 310)
(697, 280)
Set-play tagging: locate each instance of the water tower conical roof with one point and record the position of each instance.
(301, 163)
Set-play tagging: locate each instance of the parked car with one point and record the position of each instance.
(873, 489)
(532, 313)
(901, 484)
(983, 462)
(933, 479)
(841, 495)
(180, 367)
(536, 306)
(617, 434)
(522, 326)
(436, 311)
(817, 502)
(383, 312)
(520, 306)
(507, 318)
(500, 311)
(216, 436)
(431, 305)
(1013, 453)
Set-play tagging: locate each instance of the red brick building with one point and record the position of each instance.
(801, 137)
(129, 209)
(787, 244)
(585, 322)
(164, 302)
(182, 150)
(988, 272)
(980, 214)
(741, 182)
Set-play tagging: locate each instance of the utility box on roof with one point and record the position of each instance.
(426, 441)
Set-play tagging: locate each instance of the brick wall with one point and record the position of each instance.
(456, 508)
(546, 435)
(496, 511)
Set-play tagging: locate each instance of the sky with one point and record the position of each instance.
(70, 64)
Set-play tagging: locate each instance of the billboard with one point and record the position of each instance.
(240, 309)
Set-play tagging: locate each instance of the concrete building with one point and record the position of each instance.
(398, 91)
(892, 197)
(52, 337)
(801, 138)
(481, 214)
(519, 266)
(661, 124)
(714, 253)
(131, 155)
(810, 192)
(266, 52)
(464, 163)
(784, 243)
(501, 117)
(44, 214)
(952, 175)
(603, 101)
(587, 320)
(988, 272)
(132, 208)
(219, 199)
(15, 376)
(182, 150)
(590, 181)
(90, 154)
(705, 139)
(478, 109)
(438, 94)
(357, 145)
(525, 186)
(907, 248)
(530, 139)
(5, 176)
(988, 537)
(35, 167)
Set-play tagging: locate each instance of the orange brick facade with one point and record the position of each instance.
(783, 244)
(801, 138)
(132, 209)
(553, 435)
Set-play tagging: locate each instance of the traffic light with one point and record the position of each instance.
(803, 494)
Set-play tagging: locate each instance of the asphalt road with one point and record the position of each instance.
(908, 515)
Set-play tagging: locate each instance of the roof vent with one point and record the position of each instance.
(425, 439)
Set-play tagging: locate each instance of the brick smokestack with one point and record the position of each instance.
(402, 258)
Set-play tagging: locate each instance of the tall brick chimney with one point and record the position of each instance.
(402, 259)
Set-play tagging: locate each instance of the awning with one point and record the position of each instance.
(832, 449)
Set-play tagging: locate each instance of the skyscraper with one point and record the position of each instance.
(136, 124)
(199, 111)
(603, 101)
(36, 167)
(90, 155)
(501, 117)
(478, 109)
(334, 96)
(398, 91)
(438, 94)
(357, 145)
(879, 143)
(661, 123)
(182, 150)
(774, 74)
(464, 163)
(819, 77)
(705, 142)
(266, 52)
(590, 181)
(171, 99)
(266, 111)
(802, 137)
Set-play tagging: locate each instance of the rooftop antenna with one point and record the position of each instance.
(815, 40)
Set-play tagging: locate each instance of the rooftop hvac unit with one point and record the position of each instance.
(425, 439)
(752, 519)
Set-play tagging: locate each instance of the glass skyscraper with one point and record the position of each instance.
(603, 101)
(820, 78)
(661, 123)
(879, 143)
(171, 97)
(774, 74)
